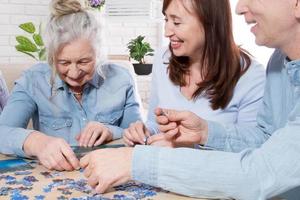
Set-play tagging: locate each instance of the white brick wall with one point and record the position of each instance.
(15, 12)
(119, 32)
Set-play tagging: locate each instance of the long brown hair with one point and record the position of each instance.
(223, 61)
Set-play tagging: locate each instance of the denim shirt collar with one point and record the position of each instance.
(293, 70)
(96, 82)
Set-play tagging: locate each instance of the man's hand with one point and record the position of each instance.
(105, 168)
(180, 128)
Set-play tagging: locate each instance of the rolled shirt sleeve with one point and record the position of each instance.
(260, 173)
(251, 174)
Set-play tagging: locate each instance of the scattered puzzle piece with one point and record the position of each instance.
(16, 185)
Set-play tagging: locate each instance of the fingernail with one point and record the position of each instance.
(146, 140)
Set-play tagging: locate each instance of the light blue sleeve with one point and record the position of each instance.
(116, 131)
(131, 111)
(153, 101)
(236, 137)
(15, 117)
(251, 174)
(250, 89)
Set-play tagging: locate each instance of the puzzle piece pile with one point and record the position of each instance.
(15, 186)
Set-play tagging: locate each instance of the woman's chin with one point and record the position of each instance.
(75, 84)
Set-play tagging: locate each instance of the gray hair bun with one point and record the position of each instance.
(64, 7)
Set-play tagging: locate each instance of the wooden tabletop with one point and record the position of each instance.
(39, 183)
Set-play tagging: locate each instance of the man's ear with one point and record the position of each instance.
(297, 9)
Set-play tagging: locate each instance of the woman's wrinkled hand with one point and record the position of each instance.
(94, 134)
(136, 133)
(53, 153)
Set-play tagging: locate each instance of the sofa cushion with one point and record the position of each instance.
(12, 72)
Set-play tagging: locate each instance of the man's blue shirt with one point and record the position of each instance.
(253, 173)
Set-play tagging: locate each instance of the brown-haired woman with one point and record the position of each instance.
(202, 71)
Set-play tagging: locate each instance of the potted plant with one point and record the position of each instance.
(33, 47)
(138, 49)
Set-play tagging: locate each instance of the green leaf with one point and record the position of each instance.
(28, 27)
(20, 49)
(42, 54)
(38, 39)
(22, 39)
(27, 46)
(149, 54)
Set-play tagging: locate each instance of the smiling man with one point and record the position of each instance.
(270, 169)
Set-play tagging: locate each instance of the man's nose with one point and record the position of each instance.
(241, 7)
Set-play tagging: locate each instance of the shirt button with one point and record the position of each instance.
(68, 123)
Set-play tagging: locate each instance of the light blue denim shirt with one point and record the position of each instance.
(242, 108)
(251, 174)
(111, 100)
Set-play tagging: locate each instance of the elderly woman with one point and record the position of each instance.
(75, 100)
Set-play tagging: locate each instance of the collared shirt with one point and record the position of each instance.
(250, 174)
(110, 99)
(280, 98)
(242, 108)
(3, 92)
